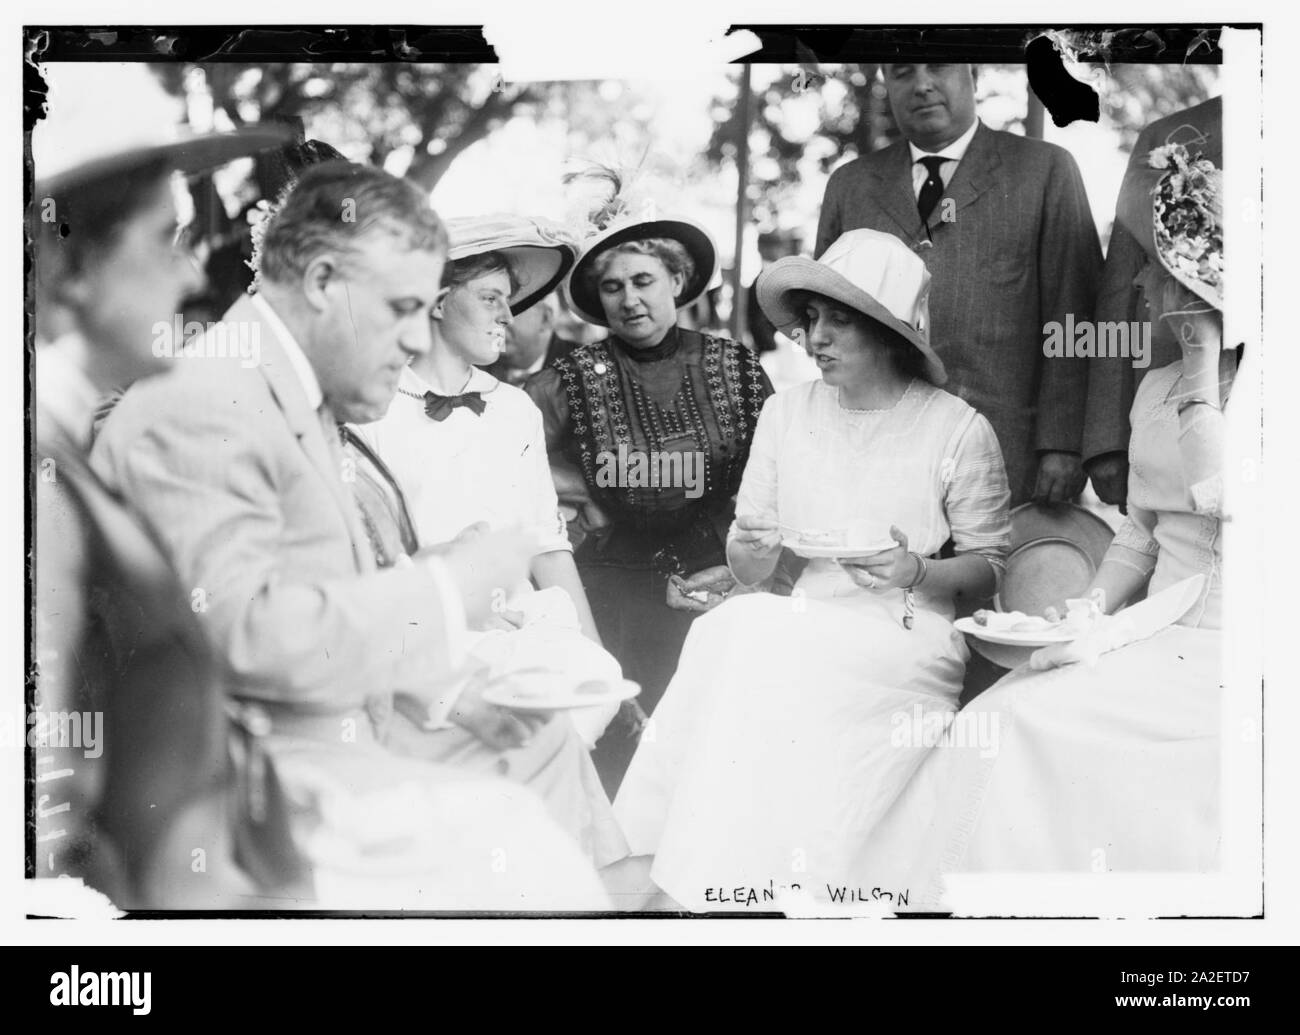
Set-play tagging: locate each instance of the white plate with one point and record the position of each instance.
(1006, 637)
(811, 551)
(509, 695)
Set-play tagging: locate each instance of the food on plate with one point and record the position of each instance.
(820, 537)
(1014, 621)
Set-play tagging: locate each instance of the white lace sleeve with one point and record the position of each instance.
(757, 495)
(977, 499)
(1200, 441)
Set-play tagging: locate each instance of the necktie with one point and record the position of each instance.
(439, 407)
(932, 188)
(346, 474)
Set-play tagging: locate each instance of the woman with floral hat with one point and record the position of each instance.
(1113, 764)
(773, 752)
(650, 428)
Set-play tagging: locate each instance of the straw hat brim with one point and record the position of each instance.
(800, 273)
(537, 268)
(584, 299)
(189, 155)
(1055, 551)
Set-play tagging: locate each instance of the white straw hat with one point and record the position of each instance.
(104, 119)
(872, 272)
(540, 253)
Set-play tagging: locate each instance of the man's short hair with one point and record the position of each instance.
(331, 207)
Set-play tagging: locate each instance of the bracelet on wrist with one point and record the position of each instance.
(922, 570)
(1195, 400)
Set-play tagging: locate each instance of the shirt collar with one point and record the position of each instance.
(64, 392)
(955, 151)
(298, 361)
(479, 381)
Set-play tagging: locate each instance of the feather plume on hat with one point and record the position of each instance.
(608, 207)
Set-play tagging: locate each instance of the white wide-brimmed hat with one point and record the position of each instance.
(108, 119)
(540, 252)
(871, 272)
(585, 299)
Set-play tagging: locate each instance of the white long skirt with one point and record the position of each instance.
(1094, 769)
(776, 747)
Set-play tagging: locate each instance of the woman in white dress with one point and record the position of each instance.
(770, 758)
(1113, 765)
(469, 450)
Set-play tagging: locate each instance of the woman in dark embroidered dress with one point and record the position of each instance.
(648, 432)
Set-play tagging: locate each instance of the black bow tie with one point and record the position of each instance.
(439, 407)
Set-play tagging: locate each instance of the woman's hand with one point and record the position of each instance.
(710, 586)
(894, 568)
(762, 538)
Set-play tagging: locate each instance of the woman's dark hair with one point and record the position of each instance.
(462, 271)
(908, 360)
(86, 221)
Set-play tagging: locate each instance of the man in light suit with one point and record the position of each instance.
(1010, 242)
(1113, 381)
(236, 465)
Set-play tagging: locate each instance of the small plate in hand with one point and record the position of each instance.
(557, 694)
(821, 550)
(1013, 637)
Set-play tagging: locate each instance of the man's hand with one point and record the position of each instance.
(1060, 477)
(712, 583)
(497, 727)
(1109, 474)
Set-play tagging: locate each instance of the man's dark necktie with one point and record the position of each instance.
(932, 188)
(439, 407)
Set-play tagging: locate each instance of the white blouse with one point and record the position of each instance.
(930, 465)
(490, 467)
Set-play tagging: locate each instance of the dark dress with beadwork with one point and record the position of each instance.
(604, 405)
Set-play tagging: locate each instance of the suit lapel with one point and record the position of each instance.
(304, 422)
(975, 174)
(894, 193)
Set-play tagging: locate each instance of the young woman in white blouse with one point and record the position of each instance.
(468, 450)
(772, 754)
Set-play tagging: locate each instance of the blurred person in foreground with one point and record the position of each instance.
(239, 470)
(131, 768)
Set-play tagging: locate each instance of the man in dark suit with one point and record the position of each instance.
(1004, 226)
(1112, 381)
